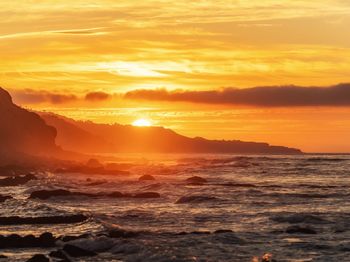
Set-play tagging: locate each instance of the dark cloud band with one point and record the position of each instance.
(273, 96)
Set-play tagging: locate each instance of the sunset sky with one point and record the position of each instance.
(254, 70)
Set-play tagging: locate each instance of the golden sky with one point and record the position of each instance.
(54, 53)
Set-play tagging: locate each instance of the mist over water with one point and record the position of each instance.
(294, 207)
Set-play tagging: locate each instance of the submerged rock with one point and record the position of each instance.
(299, 218)
(194, 199)
(71, 238)
(96, 183)
(300, 230)
(46, 194)
(223, 231)
(94, 163)
(38, 258)
(147, 195)
(146, 178)
(17, 180)
(4, 198)
(196, 180)
(119, 233)
(15, 220)
(59, 254)
(75, 251)
(116, 194)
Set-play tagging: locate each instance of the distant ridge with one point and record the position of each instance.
(104, 138)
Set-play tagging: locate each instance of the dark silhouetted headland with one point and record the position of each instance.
(22, 131)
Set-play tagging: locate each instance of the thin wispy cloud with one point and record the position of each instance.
(87, 31)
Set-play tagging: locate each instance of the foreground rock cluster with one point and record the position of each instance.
(46, 194)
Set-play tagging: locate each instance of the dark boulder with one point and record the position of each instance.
(196, 180)
(9, 241)
(46, 194)
(300, 230)
(299, 218)
(60, 255)
(38, 258)
(4, 198)
(116, 194)
(222, 231)
(47, 239)
(94, 163)
(195, 199)
(147, 195)
(75, 251)
(3, 256)
(71, 238)
(146, 178)
(68, 219)
(96, 183)
(119, 233)
(16, 241)
(17, 180)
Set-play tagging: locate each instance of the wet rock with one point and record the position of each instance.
(14, 170)
(222, 231)
(38, 258)
(83, 169)
(47, 239)
(46, 194)
(75, 251)
(16, 241)
(71, 238)
(28, 241)
(10, 241)
(194, 199)
(300, 230)
(200, 233)
(146, 178)
(196, 180)
(97, 183)
(17, 180)
(4, 198)
(94, 163)
(119, 233)
(238, 185)
(59, 254)
(116, 194)
(299, 218)
(15, 220)
(147, 195)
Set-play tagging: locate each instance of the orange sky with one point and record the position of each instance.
(53, 53)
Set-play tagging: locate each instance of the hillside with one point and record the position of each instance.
(22, 131)
(105, 138)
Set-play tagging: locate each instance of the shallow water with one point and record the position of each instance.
(257, 197)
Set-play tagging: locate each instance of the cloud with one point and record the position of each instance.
(29, 96)
(97, 96)
(270, 96)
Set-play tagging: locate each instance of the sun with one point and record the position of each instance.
(142, 122)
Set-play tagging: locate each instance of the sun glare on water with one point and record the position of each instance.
(142, 122)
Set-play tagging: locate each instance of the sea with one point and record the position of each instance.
(291, 208)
